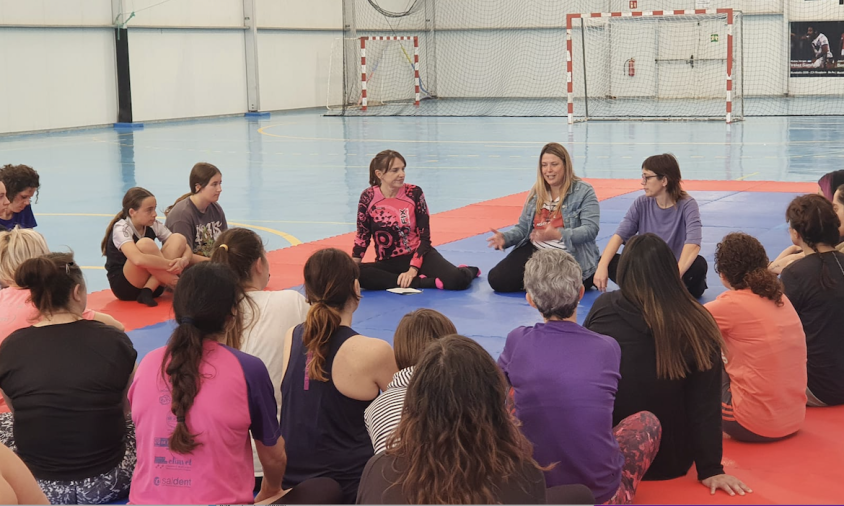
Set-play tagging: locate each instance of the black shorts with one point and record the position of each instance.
(124, 290)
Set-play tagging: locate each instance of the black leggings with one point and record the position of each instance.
(694, 278)
(385, 274)
(569, 494)
(314, 491)
(509, 274)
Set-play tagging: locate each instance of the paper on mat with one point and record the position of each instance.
(404, 291)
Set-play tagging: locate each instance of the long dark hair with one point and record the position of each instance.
(666, 166)
(131, 200)
(50, 280)
(457, 440)
(682, 328)
(330, 276)
(742, 260)
(815, 221)
(201, 174)
(205, 304)
(382, 162)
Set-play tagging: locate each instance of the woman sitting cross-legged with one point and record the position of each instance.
(395, 215)
(65, 380)
(670, 362)
(564, 379)
(457, 442)
(415, 331)
(332, 375)
(561, 212)
(196, 401)
(763, 394)
(815, 286)
(667, 211)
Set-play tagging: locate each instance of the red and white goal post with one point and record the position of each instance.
(363, 41)
(723, 15)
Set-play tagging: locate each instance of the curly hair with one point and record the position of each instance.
(457, 440)
(18, 178)
(742, 260)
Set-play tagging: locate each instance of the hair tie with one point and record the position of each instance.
(180, 419)
(185, 320)
(224, 246)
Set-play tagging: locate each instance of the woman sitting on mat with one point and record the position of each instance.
(670, 213)
(561, 212)
(415, 331)
(836, 196)
(396, 216)
(763, 392)
(333, 374)
(21, 182)
(16, 247)
(136, 268)
(267, 315)
(815, 286)
(197, 215)
(670, 362)
(196, 401)
(574, 426)
(457, 442)
(65, 380)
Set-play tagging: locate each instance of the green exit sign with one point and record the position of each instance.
(713, 37)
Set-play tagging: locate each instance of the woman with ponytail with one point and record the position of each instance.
(136, 268)
(332, 375)
(815, 286)
(763, 392)
(65, 380)
(197, 215)
(196, 401)
(267, 315)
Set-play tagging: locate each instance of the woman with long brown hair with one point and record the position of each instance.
(395, 215)
(763, 393)
(136, 268)
(670, 362)
(332, 375)
(457, 442)
(815, 286)
(196, 401)
(197, 215)
(667, 211)
(561, 212)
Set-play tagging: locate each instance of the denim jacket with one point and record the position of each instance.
(581, 217)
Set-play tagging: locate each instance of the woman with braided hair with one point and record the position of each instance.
(196, 401)
(763, 389)
(815, 286)
(332, 375)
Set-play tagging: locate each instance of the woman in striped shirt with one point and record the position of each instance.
(415, 332)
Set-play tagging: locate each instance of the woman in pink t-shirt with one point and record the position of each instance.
(764, 384)
(196, 401)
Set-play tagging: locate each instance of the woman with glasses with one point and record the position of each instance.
(670, 213)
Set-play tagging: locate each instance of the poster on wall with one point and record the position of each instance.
(817, 49)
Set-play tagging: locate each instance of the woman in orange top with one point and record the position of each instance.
(764, 384)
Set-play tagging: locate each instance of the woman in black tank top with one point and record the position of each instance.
(324, 429)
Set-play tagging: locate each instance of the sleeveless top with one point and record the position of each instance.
(323, 430)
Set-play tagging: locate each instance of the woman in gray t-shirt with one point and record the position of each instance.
(667, 211)
(197, 215)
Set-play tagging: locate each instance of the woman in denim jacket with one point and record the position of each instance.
(561, 212)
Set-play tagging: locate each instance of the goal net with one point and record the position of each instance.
(654, 65)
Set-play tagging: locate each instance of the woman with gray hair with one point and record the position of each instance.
(573, 427)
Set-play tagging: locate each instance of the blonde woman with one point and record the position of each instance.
(561, 212)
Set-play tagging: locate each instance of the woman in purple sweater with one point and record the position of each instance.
(667, 211)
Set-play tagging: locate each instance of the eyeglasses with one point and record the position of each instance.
(645, 179)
